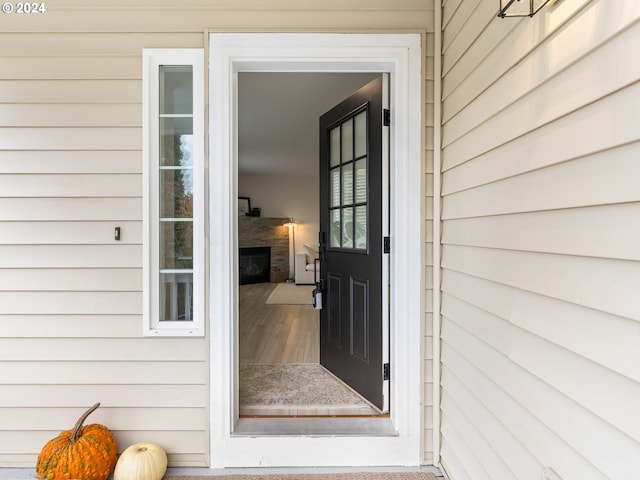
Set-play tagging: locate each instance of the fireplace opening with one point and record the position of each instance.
(254, 265)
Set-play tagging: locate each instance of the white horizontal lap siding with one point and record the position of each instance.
(148, 17)
(70, 172)
(541, 248)
(70, 295)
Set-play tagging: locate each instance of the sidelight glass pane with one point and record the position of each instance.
(361, 133)
(347, 227)
(176, 192)
(176, 142)
(176, 89)
(361, 227)
(174, 139)
(347, 140)
(335, 228)
(361, 180)
(176, 199)
(176, 245)
(347, 184)
(334, 151)
(177, 296)
(335, 187)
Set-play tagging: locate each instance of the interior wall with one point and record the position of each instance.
(541, 265)
(286, 197)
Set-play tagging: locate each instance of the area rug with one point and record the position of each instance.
(321, 476)
(281, 388)
(291, 294)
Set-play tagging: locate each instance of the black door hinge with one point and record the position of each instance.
(386, 117)
(386, 246)
(386, 372)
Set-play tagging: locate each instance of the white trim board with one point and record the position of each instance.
(401, 56)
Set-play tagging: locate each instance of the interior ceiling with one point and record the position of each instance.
(278, 115)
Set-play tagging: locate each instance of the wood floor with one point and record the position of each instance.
(282, 334)
(276, 333)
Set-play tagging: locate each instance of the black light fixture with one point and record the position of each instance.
(520, 8)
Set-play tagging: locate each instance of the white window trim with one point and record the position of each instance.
(152, 59)
(399, 54)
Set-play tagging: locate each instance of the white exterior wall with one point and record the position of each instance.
(71, 171)
(541, 243)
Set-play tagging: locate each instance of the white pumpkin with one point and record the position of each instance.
(142, 461)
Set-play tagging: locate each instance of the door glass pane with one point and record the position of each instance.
(361, 227)
(334, 151)
(335, 187)
(361, 180)
(176, 89)
(335, 227)
(347, 184)
(176, 141)
(347, 227)
(361, 134)
(176, 199)
(176, 245)
(347, 140)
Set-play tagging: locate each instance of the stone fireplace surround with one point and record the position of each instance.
(267, 232)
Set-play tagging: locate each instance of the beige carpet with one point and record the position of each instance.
(321, 476)
(291, 294)
(296, 389)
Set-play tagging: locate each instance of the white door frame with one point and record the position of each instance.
(401, 56)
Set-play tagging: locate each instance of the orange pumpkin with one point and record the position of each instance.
(82, 453)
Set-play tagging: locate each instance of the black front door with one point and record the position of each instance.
(351, 241)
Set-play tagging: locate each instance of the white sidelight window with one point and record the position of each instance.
(173, 184)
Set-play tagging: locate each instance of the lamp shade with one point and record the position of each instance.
(520, 8)
(290, 223)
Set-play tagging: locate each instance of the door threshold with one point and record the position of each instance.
(332, 410)
(315, 427)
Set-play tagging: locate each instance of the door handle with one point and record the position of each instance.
(318, 291)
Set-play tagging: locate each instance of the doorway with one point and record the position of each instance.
(279, 340)
(234, 443)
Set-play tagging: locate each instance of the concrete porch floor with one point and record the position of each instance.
(30, 473)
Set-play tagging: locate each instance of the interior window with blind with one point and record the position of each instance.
(173, 127)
